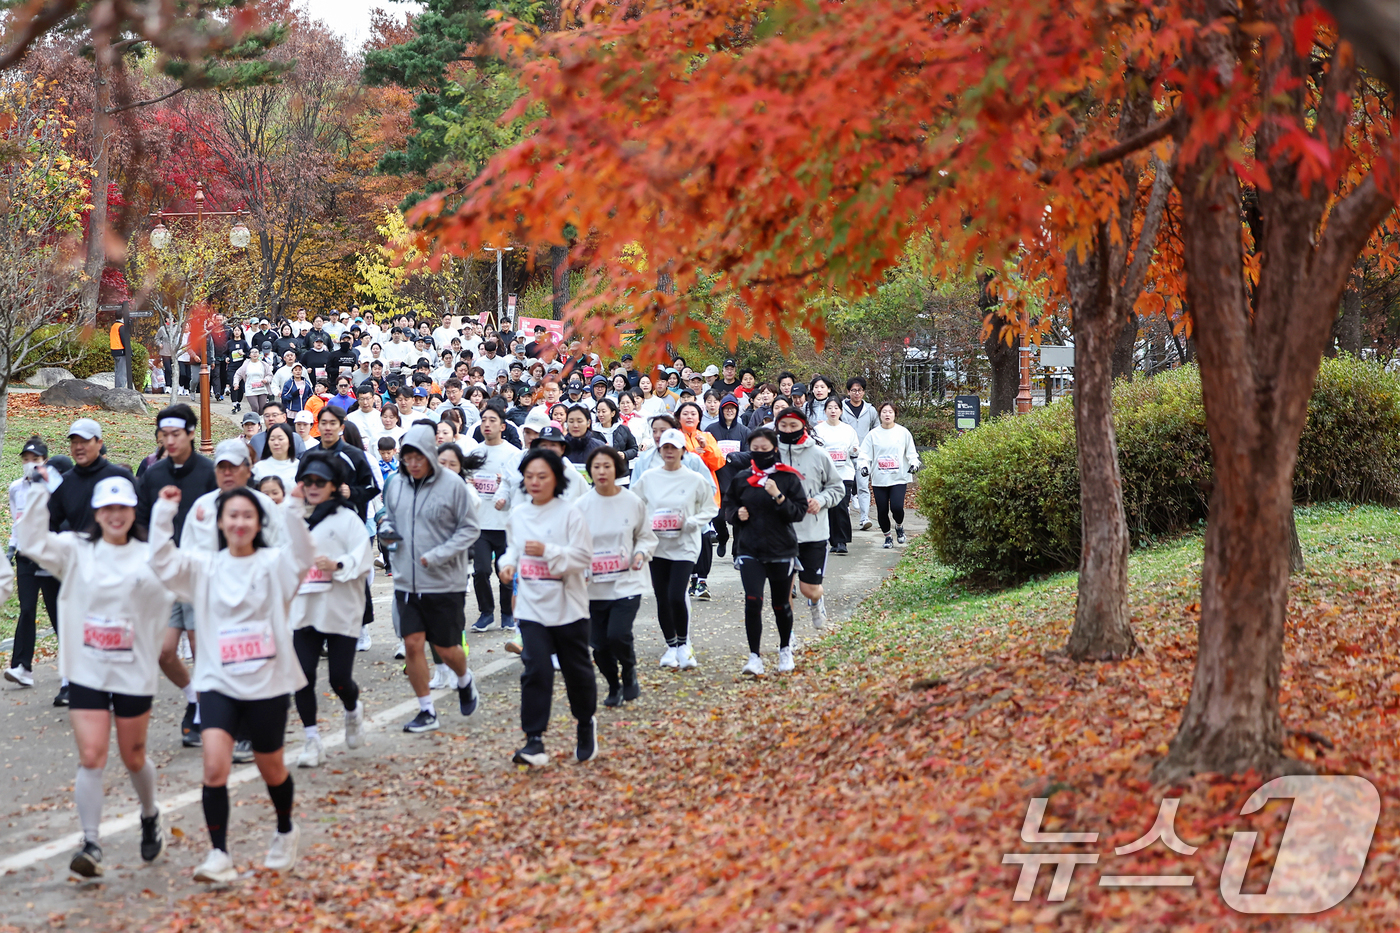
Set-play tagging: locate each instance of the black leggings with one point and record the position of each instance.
(610, 634)
(489, 548)
(340, 661)
(669, 579)
(706, 561)
(778, 575)
(889, 499)
(838, 517)
(30, 587)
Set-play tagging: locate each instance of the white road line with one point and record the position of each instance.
(69, 842)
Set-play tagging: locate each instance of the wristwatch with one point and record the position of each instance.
(340, 565)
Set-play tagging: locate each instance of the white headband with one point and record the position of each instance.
(172, 423)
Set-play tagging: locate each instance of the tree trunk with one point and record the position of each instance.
(4, 410)
(1005, 363)
(1349, 325)
(1295, 547)
(1123, 362)
(96, 260)
(559, 268)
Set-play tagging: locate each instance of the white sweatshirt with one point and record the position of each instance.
(553, 589)
(244, 644)
(842, 446)
(891, 455)
(513, 493)
(334, 602)
(201, 522)
(112, 610)
(502, 463)
(680, 503)
(621, 529)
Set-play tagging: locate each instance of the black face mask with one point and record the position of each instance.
(764, 459)
(791, 437)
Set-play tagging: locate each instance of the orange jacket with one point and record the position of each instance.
(114, 338)
(709, 454)
(314, 404)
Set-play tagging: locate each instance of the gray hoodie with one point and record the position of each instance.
(820, 481)
(863, 422)
(436, 519)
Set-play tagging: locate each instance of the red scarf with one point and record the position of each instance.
(758, 477)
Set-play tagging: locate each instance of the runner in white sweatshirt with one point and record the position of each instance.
(680, 503)
(330, 604)
(245, 666)
(890, 459)
(623, 541)
(548, 542)
(112, 614)
(502, 463)
(843, 447)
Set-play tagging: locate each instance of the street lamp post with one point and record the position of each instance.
(500, 285)
(1023, 395)
(238, 237)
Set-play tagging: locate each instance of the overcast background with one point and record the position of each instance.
(350, 18)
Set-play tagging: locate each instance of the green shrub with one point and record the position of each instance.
(88, 357)
(931, 425)
(1003, 500)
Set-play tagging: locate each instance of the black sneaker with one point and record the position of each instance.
(468, 697)
(614, 697)
(62, 700)
(532, 754)
(587, 738)
(242, 751)
(889, 541)
(899, 534)
(423, 722)
(702, 590)
(87, 861)
(152, 838)
(719, 548)
(189, 729)
(630, 688)
(690, 590)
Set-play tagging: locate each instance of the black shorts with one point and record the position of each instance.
(812, 555)
(442, 617)
(262, 722)
(124, 705)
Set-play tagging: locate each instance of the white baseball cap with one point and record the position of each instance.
(114, 490)
(86, 428)
(304, 417)
(232, 451)
(535, 421)
(673, 437)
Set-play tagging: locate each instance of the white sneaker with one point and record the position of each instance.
(819, 614)
(686, 657)
(185, 654)
(282, 854)
(18, 675)
(554, 659)
(785, 660)
(439, 682)
(755, 666)
(310, 756)
(399, 652)
(671, 658)
(365, 642)
(217, 868)
(355, 725)
(866, 524)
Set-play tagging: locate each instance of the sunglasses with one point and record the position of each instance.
(316, 481)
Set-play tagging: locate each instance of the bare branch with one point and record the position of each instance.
(145, 103)
(1147, 239)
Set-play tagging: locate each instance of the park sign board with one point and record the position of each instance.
(967, 412)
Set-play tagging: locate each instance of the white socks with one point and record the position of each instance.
(190, 695)
(426, 704)
(465, 679)
(312, 732)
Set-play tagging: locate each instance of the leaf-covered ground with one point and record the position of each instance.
(878, 790)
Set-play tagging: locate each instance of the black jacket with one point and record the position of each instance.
(193, 479)
(577, 449)
(70, 506)
(313, 360)
(738, 431)
(770, 532)
(362, 488)
(282, 344)
(343, 363)
(622, 441)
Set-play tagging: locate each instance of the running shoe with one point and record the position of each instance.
(399, 652)
(785, 660)
(685, 657)
(152, 838)
(217, 868)
(899, 534)
(671, 658)
(866, 524)
(87, 861)
(630, 688)
(702, 590)
(423, 722)
(355, 725)
(719, 548)
(587, 739)
(690, 588)
(754, 666)
(467, 696)
(484, 623)
(507, 623)
(310, 756)
(242, 751)
(614, 697)
(282, 853)
(62, 698)
(840, 549)
(365, 643)
(189, 729)
(514, 644)
(18, 675)
(889, 541)
(532, 753)
(554, 659)
(819, 613)
(439, 681)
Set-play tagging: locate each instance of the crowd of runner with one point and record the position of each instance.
(554, 487)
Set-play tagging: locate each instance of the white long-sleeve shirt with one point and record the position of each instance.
(502, 463)
(621, 529)
(842, 446)
(334, 603)
(241, 605)
(112, 609)
(553, 588)
(891, 455)
(680, 503)
(201, 532)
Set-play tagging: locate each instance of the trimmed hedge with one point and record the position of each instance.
(1003, 500)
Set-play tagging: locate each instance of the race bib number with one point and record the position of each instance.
(246, 646)
(667, 523)
(887, 463)
(536, 570)
(235, 355)
(608, 564)
(486, 485)
(108, 640)
(837, 454)
(728, 447)
(319, 372)
(256, 386)
(316, 581)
